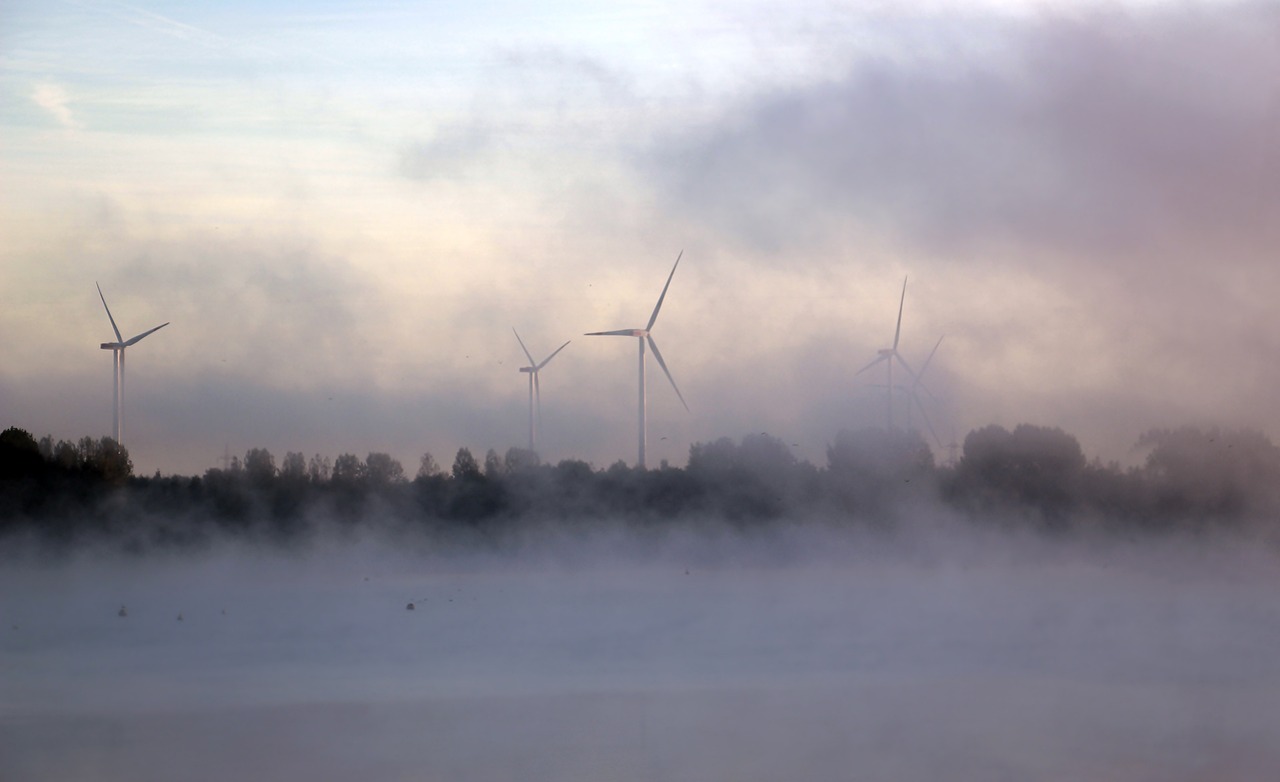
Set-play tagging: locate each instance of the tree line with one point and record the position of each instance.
(1031, 475)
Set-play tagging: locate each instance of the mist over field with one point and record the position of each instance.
(804, 650)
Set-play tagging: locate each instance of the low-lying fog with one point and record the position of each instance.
(805, 654)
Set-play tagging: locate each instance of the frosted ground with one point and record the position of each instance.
(797, 655)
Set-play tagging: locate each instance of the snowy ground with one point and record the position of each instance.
(832, 660)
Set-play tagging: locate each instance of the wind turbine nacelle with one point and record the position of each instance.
(110, 345)
(526, 369)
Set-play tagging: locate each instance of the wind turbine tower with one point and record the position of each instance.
(117, 352)
(535, 390)
(642, 336)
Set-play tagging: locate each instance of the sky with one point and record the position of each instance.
(343, 210)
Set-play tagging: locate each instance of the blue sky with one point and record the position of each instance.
(344, 209)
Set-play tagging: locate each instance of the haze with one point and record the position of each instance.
(805, 652)
(344, 211)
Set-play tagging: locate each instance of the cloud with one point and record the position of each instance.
(447, 154)
(53, 98)
(1089, 134)
(533, 105)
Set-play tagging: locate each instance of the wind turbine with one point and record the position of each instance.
(891, 354)
(535, 391)
(117, 353)
(642, 336)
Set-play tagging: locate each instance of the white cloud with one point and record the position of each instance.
(54, 99)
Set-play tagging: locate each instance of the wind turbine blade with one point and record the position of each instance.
(618, 333)
(143, 334)
(874, 361)
(522, 347)
(925, 366)
(546, 360)
(658, 306)
(658, 355)
(919, 381)
(928, 424)
(119, 338)
(897, 332)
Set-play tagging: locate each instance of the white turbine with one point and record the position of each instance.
(117, 352)
(642, 336)
(891, 354)
(535, 390)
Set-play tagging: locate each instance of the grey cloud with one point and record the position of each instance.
(447, 154)
(1093, 134)
(276, 294)
(1123, 160)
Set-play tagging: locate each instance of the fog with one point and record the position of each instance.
(804, 651)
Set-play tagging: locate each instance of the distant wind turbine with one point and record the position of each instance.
(642, 336)
(535, 390)
(891, 354)
(117, 351)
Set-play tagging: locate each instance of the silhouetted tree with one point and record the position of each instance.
(619, 488)
(260, 468)
(105, 459)
(518, 459)
(1034, 467)
(475, 496)
(870, 470)
(492, 464)
(228, 494)
(752, 480)
(291, 491)
(1218, 472)
(294, 467)
(383, 471)
(427, 467)
(348, 486)
(65, 456)
(573, 485)
(319, 469)
(348, 470)
(464, 465)
(668, 492)
(19, 455)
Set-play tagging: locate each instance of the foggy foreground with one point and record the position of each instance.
(799, 654)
